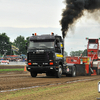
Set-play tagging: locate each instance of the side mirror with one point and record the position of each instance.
(58, 45)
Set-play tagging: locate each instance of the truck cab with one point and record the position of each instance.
(94, 53)
(45, 55)
(93, 48)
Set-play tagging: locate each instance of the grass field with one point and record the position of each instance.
(8, 70)
(75, 91)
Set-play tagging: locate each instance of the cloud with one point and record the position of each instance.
(31, 13)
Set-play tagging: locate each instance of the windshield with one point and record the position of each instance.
(93, 46)
(39, 44)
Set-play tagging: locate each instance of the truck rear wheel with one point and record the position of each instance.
(33, 74)
(59, 72)
(98, 71)
(73, 74)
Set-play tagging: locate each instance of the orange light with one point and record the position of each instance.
(29, 64)
(52, 33)
(35, 34)
(51, 63)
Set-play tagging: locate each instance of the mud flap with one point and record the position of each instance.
(80, 69)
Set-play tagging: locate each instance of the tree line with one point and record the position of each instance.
(20, 42)
(6, 45)
(79, 53)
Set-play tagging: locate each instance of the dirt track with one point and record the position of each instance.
(21, 79)
(14, 80)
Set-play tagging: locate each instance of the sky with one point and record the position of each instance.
(24, 17)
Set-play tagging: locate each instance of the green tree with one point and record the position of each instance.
(27, 40)
(65, 53)
(76, 53)
(20, 43)
(84, 52)
(5, 44)
(72, 53)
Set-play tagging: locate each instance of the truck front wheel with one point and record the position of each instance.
(33, 74)
(59, 72)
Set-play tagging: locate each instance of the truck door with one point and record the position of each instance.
(57, 46)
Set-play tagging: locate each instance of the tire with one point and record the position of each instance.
(98, 71)
(73, 74)
(59, 72)
(33, 74)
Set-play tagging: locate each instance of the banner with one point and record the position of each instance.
(14, 48)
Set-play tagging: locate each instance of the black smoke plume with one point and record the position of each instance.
(74, 10)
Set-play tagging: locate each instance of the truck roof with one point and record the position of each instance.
(93, 41)
(44, 37)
